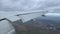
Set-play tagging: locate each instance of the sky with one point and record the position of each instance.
(21, 5)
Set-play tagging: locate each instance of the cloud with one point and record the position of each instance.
(50, 3)
(21, 5)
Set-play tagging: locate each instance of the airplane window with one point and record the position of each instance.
(30, 16)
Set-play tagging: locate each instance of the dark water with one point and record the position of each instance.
(46, 18)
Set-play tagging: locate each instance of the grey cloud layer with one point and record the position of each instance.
(27, 4)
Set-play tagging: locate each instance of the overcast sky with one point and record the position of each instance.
(18, 5)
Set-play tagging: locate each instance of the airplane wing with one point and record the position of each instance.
(24, 16)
